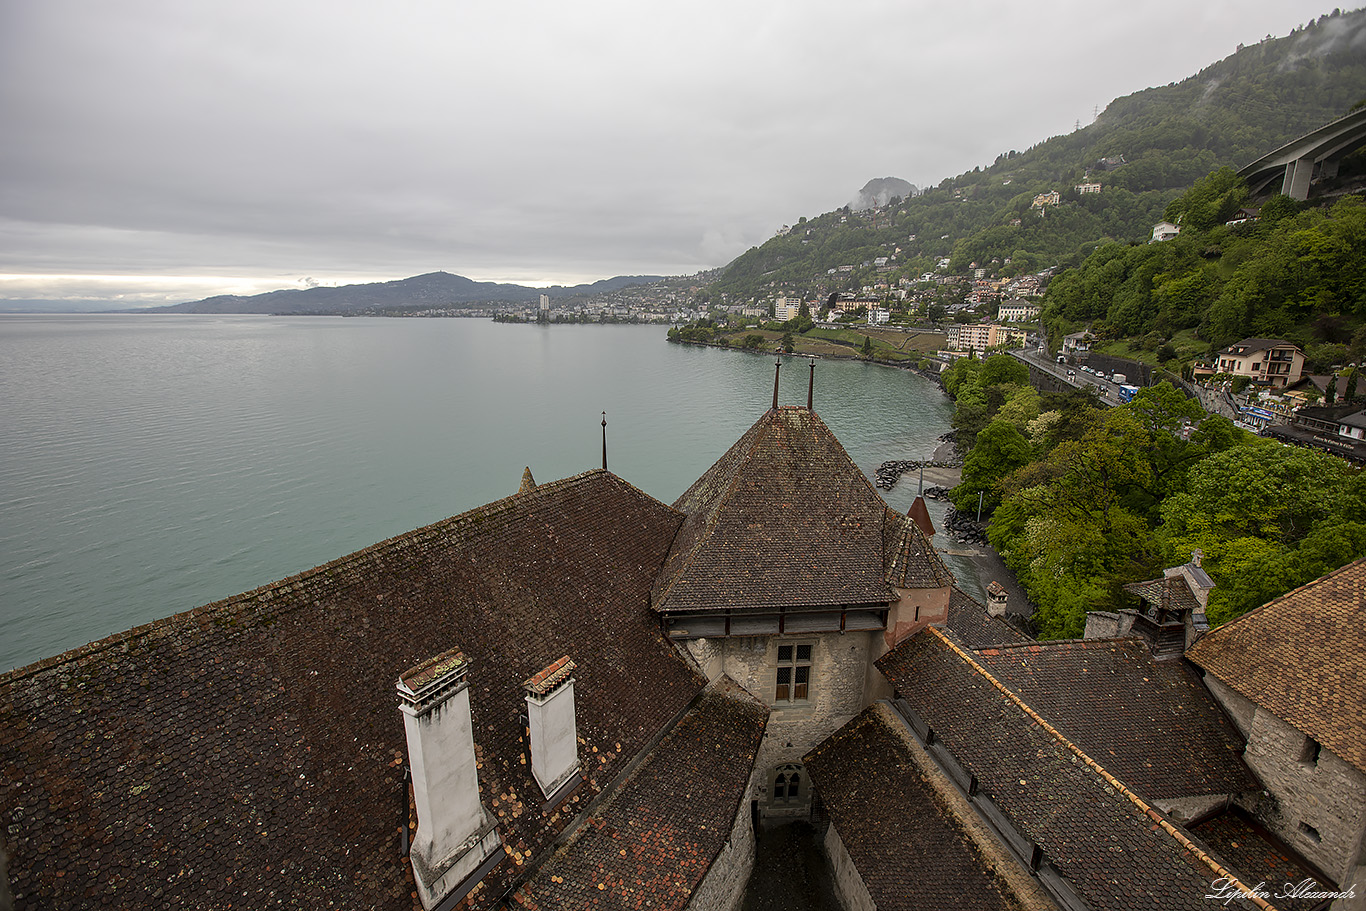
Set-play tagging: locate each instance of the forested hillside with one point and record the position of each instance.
(1297, 272)
(1086, 499)
(1143, 150)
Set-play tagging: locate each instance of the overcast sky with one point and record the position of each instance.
(166, 151)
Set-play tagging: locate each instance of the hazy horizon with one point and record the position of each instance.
(158, 154)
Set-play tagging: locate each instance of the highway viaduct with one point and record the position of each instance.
(1295, 162)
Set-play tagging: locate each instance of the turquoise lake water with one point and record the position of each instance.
(153, 463)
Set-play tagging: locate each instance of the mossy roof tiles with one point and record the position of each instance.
(1302, 657)
(653, 839)
(250, 752)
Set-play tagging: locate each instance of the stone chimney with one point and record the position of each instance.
(997, 596)
(553, 732)
(456, 836)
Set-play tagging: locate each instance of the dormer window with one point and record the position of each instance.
(794, 672)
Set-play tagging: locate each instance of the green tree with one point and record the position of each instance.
(867, 349)
(1000, 449)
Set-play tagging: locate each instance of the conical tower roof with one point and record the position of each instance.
(785, 519)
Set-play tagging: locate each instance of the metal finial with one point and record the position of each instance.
(604, 441)
(777, 366)
(811, 384)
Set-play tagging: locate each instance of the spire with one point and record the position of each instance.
(604, 441)
(920, 515)
(811, 385)
(528, 482)
(777, 368)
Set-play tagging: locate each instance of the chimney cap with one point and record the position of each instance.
(421, 684)
(550, 679)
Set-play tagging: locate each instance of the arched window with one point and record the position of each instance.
(788, 784)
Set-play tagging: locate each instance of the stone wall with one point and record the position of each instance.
(723, 888)
(839, 676)
(1317, 807)
(853, 894)
(1239, 707)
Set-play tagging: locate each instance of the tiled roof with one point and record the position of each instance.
(908, 848)
(976, 628)
(1152, 724)
(653, 839)
(1248, 846)
(911, 560)
(1170, 593)
(250, 752)
(1115, 850)
(1253, 345)
(1302, 657)
(783, 519)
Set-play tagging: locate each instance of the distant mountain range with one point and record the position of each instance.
(432, 290)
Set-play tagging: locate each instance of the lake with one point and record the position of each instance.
(153, 463)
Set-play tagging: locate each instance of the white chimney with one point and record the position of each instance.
(550, 720)
(455, 834)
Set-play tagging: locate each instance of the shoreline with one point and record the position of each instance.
(986, 563)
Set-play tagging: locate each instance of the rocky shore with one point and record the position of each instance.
(962, 536)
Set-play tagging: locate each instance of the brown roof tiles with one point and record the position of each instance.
(654, 838)
(976, 628)
(251, 751)
(1153, 724)
(783, 519)
(1303, 658)
(1114, 849)
(909, 849)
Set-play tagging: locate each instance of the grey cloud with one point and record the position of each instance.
(507, 141)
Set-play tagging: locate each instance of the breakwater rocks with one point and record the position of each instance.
(888, 473)
(963, 529)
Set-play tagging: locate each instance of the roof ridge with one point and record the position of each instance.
(1144, 807)
(716, 511)
(262, 596)
(1257, 611)
(1050, 644)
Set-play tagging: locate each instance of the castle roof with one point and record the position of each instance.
(976, 628)
(657, 833)
(1151, 723)
(1113, 849)
(910, 849)
(785, 518)
(1302, 657)
(252, 750)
